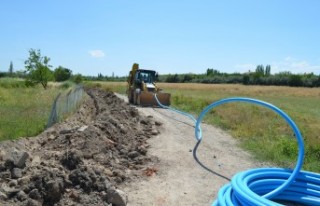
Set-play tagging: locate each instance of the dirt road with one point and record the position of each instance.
(108, 147)
(179, 179)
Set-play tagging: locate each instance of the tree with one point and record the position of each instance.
(260, 70)
(187, 78)
(100, 77)
(62, 74)
(295, 80)
(246, 79)
(209, 72)
(317, 83)
(11, 69)
(268, 70)
(38, 69)
(172, 78)
(3, 74)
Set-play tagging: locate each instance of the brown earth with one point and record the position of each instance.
(179, 179)
(80, 161)
(110, 151)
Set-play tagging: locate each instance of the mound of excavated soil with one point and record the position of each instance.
(80, 161)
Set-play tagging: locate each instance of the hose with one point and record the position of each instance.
(180, 112)
(268, 186)
(199, 138)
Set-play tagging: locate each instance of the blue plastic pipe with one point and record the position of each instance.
(180, 112)
(265, 186)
(268, 186)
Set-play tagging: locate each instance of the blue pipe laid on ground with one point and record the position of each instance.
(266, 186)
(199, 138)
(180, 112)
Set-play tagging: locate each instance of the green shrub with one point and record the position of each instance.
(77, 78)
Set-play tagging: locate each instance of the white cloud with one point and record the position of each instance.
(295, 66)
(291, 64)
(97, 53)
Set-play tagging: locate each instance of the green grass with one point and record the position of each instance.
(261, 131)
(12, 83)
(24, 111)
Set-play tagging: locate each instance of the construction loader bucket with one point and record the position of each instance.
(148, 99)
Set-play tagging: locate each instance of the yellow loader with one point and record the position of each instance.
(142, 87)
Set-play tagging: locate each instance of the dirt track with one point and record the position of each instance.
(180, 180)
(109, 145)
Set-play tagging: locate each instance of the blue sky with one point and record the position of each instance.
(182, 36)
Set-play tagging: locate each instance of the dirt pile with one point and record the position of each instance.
(80, 161)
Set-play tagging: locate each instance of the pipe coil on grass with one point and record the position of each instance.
(265, 186)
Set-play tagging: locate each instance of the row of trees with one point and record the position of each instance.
(102, 77)
(38, 71)
(261, 76)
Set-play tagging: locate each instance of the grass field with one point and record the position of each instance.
(24, 111)
(260, 130)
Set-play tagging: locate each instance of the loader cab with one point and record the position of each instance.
(146, 76)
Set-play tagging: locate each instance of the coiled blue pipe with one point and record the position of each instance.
(267, 186)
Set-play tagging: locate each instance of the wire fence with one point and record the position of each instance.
(65, 104)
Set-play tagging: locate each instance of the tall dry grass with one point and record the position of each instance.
(237, 89)
(260, 130)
